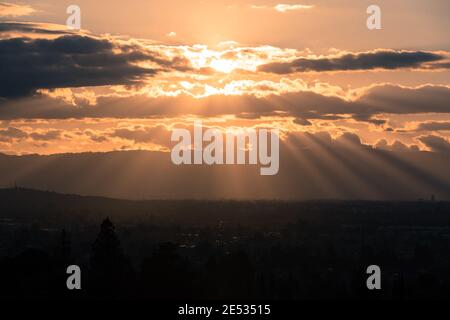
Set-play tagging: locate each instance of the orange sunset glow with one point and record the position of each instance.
(238, 159)
(131, 74)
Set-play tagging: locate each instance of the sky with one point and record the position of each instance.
(137, 70)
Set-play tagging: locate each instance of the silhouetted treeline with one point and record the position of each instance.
(316, 250)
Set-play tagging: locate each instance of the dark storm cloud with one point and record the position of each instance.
(69, 61)
(380, 99)
(402, 100)
(440, 65)
(382, 59)
(34, 28)
(306, 105)
(436, 143)
(433, 126)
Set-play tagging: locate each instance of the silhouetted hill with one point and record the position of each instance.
(51, 208)
(306, 172)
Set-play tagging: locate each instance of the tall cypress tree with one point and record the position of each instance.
(109, 267)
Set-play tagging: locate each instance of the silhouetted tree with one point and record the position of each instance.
(111, 274)
(62, 259)
(63, 254)
(29, 275)
(167, 275)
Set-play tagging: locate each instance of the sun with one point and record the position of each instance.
(223, 65)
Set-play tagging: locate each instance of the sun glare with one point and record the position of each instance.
(223, 65)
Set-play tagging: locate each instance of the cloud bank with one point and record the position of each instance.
(15, 10)
(379, 59)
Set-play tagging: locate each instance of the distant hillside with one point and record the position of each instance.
(305, 173)
(50, 208)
